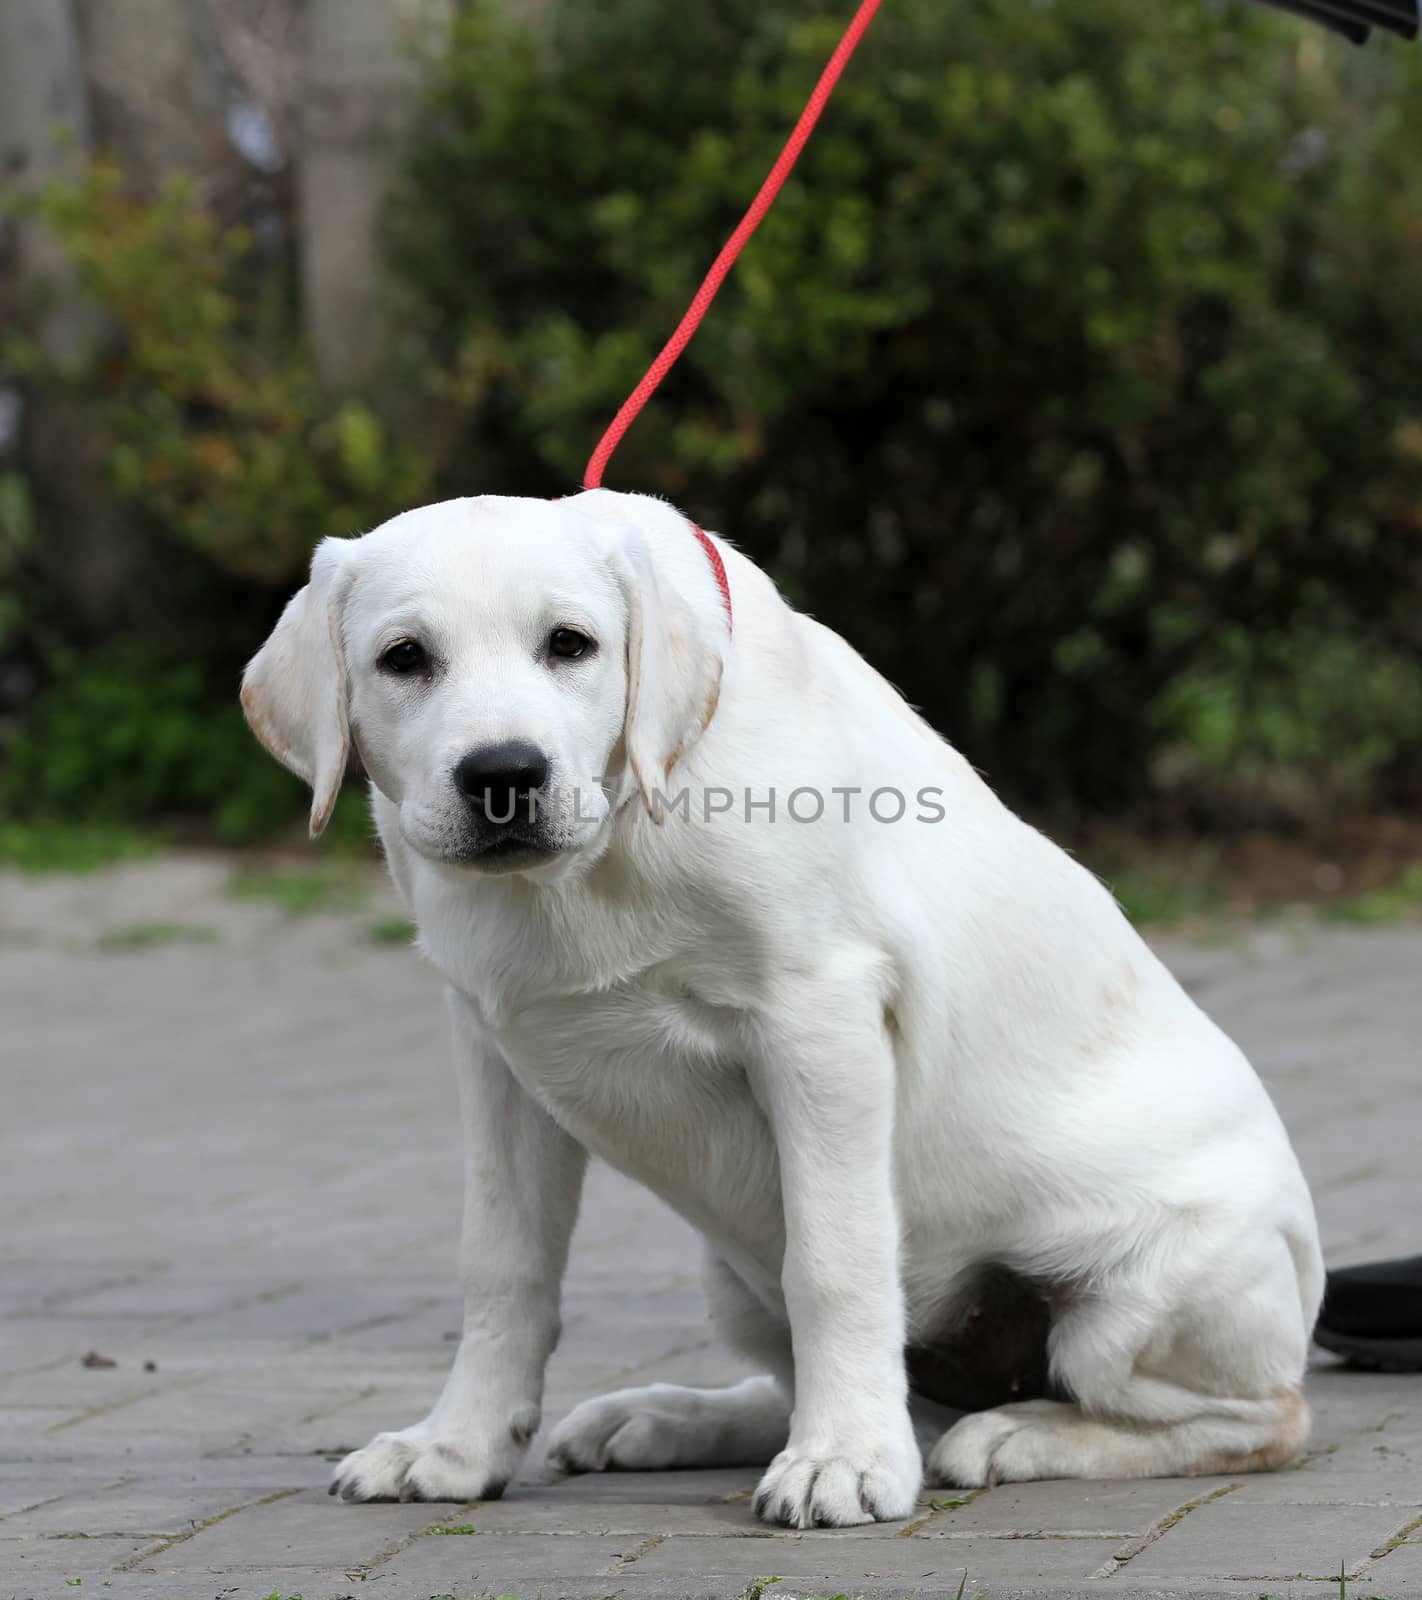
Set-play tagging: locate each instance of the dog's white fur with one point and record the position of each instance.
(861, 1057)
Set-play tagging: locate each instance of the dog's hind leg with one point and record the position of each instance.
(1210, 1384)
(1058, 1439)
(665, 1425)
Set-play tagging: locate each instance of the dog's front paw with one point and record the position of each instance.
(841, 1487)
(419, 1464)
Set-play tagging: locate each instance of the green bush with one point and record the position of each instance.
(130, 737)
(1306, 726)
(198, 406)
(1073, 378)
(208, 418)
(1083, 340)
(16, 536)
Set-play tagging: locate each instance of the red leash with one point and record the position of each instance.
(592, 478)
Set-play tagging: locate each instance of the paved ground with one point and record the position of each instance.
(228, 1167)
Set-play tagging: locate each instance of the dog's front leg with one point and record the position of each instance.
(522, 1181)
(823, 1071)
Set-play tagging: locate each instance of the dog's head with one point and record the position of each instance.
(507, 671)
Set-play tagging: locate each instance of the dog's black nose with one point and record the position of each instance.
(501, 780)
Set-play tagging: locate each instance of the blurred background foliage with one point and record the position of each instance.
(1074, 378)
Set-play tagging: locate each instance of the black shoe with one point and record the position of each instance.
(1372, 1315)
(1353, 18)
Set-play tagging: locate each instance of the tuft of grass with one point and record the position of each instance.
(42, 847)
(1154, 897)
(152, 935)
(393, 929)
(756, 1588)
(301, 893)
(461, 1527)
(1342, 1586)
(1396, 903)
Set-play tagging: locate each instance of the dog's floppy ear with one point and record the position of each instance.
(294, 688)
(673, 673)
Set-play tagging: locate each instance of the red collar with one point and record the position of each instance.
(718, 568)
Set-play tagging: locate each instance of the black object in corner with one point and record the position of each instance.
(1354, 19)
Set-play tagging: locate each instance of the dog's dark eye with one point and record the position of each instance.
(568, 643)
(404, 658)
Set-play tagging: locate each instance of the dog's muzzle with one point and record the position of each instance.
(507, 802)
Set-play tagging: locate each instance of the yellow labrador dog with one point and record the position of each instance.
(715, 905)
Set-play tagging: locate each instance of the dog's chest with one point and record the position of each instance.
(613, 1031)
(648, 1079)
(633, 1070)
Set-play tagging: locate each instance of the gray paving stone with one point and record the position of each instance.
(19, 1498)
(626, 1519)
(1398, 1573)
(1265, 1543)
(497, 1564)
(1121, 1510)
(248, 1584)
(835, 1560)
(89, 1560)
(725, 1484)
(25, 1429)
(69, 1388)
(163, 1465)
(542, 1512)
(250, 1198)
(1310, 1486)
(305, 1531)
(289, 1582)
(152, 1509)
(825, 1561)
(1386, 1450)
